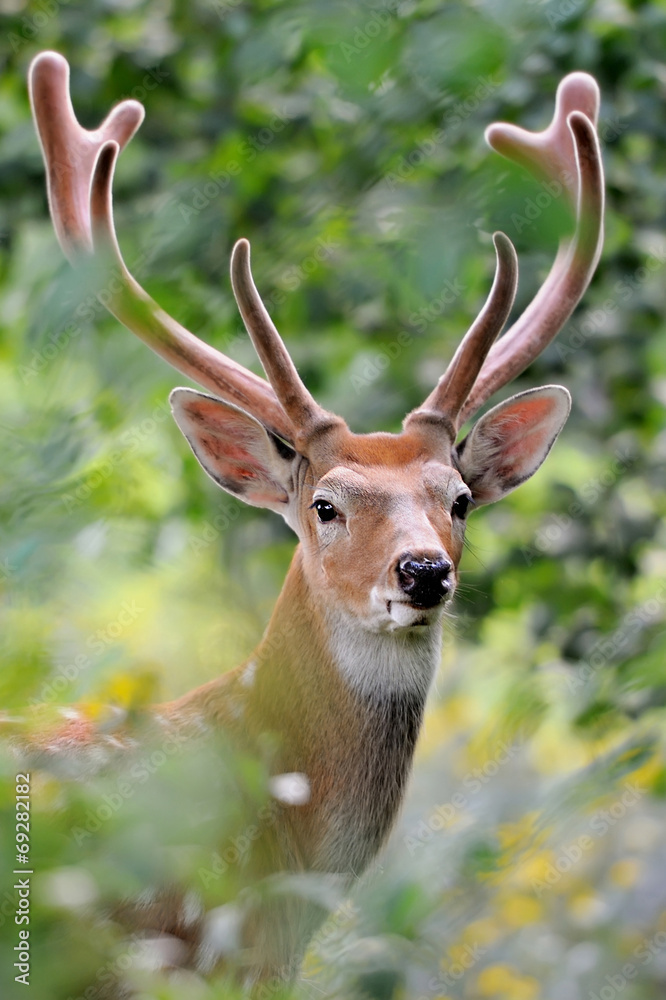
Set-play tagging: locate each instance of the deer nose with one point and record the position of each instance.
(424, 580)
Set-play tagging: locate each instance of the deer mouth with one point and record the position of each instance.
(411, 615)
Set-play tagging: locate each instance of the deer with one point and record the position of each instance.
(348, 657)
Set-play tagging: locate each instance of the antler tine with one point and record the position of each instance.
(70, 151)
(568, 154)
(453, 388)
(132, 305)
(304, 411)
(80, 167)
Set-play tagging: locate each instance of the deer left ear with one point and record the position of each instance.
(235, 449)
(509, 443)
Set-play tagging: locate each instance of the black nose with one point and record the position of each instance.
(424, 581)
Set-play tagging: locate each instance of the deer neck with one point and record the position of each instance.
(347, 707)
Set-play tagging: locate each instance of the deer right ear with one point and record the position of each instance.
(509, 443)
(235, 449)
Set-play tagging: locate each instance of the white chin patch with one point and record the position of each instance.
(405, 615)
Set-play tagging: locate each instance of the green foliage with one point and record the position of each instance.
(311, 128)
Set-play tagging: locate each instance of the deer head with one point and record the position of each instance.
(381, 517)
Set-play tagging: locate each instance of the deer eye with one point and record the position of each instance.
(461, 505)
(325, 510)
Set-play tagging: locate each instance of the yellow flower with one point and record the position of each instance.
(519, 910)
(532, 868)
(585, 907)
(519, 835)
(503, 981)
(625, 873)
(483, 932)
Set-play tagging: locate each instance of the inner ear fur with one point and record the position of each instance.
(509, 443)
(235, 449)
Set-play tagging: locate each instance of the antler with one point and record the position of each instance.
(445, 402)
(301, 407)
(565, 154)
(80, 166)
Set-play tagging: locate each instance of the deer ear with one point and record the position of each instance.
(235, 449)
(509, 443)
